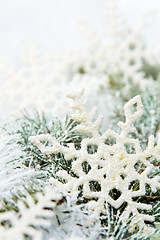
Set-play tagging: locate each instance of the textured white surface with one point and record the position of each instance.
(111, 166)
(13, 174)
(35, 214)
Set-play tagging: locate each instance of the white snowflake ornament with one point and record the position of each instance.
(30, 216)
(113, 161)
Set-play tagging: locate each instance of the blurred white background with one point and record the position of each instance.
(52, 23)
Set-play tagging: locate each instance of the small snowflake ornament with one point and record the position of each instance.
(115, 50)
(113, 162)
(30, 217)
(41, 81)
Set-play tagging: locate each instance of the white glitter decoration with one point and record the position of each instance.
(41, 82)
(111, 166)
(115, 50)
(33, 84)
(36, 214)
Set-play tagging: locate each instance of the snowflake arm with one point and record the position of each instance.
(131, 117)
(83, 116)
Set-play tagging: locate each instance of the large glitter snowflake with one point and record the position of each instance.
(112, 167)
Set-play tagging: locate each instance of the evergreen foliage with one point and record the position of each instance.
(112, 74)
